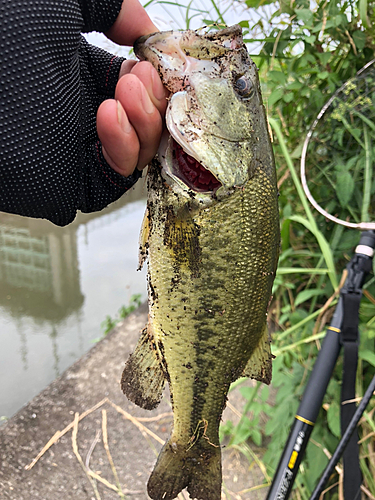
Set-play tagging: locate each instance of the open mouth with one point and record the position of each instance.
(191, 172)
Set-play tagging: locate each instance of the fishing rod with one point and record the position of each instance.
(357, 270)
(344, 440)
(340, 143)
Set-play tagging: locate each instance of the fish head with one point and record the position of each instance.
(215, 114)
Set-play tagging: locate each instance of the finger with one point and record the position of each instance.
(131, 23)
(151, 80)
(142, 114)
(126, 67)
(119, 140)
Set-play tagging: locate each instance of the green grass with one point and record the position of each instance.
(110, 322)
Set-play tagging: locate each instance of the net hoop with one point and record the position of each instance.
(363, 226)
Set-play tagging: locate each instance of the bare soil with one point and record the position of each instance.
(58, 474)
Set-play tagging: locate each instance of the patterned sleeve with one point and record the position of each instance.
(52, 83)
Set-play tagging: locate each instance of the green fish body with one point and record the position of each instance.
(211, 236)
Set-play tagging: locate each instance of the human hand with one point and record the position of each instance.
(130, 126)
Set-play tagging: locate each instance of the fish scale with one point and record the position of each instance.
(211, 262)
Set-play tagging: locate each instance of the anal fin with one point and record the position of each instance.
(143, 378)
(259, 366)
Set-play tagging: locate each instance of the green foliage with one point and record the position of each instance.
(109, 323)
(135, 301)
(310, 52)
(249, 426)
(296, 297)
(304, 60)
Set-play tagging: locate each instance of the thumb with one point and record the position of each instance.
(131, 23)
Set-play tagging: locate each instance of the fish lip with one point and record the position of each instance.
(152, 48)
(155, 46)
(163, 51)
(180, 58)
(140, 44)
(230, 33)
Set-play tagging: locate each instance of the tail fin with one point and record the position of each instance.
(198, 469)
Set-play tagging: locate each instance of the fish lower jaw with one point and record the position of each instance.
(184, 173)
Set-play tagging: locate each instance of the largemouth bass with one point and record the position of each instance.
(211, 236)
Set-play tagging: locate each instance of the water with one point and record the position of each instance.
(56, 287)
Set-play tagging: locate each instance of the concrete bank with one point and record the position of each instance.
(58, 474)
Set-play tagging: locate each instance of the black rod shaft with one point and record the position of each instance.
(307, 413)
(344, 441)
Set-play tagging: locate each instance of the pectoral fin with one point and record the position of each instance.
(143, 378)
(259, 366)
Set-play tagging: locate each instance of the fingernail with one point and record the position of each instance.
(157, 86)
(123, 119)
(126, 67)
(146, 101)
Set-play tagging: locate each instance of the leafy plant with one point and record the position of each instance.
(109, 323)
(312, 52)
(298, 290)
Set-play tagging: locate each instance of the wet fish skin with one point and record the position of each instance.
(212, 256)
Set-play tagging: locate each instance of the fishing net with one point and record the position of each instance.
(337, 165)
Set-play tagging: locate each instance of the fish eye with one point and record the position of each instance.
(244, 87)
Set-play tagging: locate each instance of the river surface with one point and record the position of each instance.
(57, 285)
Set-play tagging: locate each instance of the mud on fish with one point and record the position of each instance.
(211, 238)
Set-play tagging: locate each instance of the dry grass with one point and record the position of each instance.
(93, 477)
(101, 438)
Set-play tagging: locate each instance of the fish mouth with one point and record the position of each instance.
(176, 54)
(193, 173)
(184, 168)
(209, 45)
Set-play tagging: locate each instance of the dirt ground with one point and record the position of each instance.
(78, 464)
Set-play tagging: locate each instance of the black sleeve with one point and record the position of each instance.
(52, 83)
